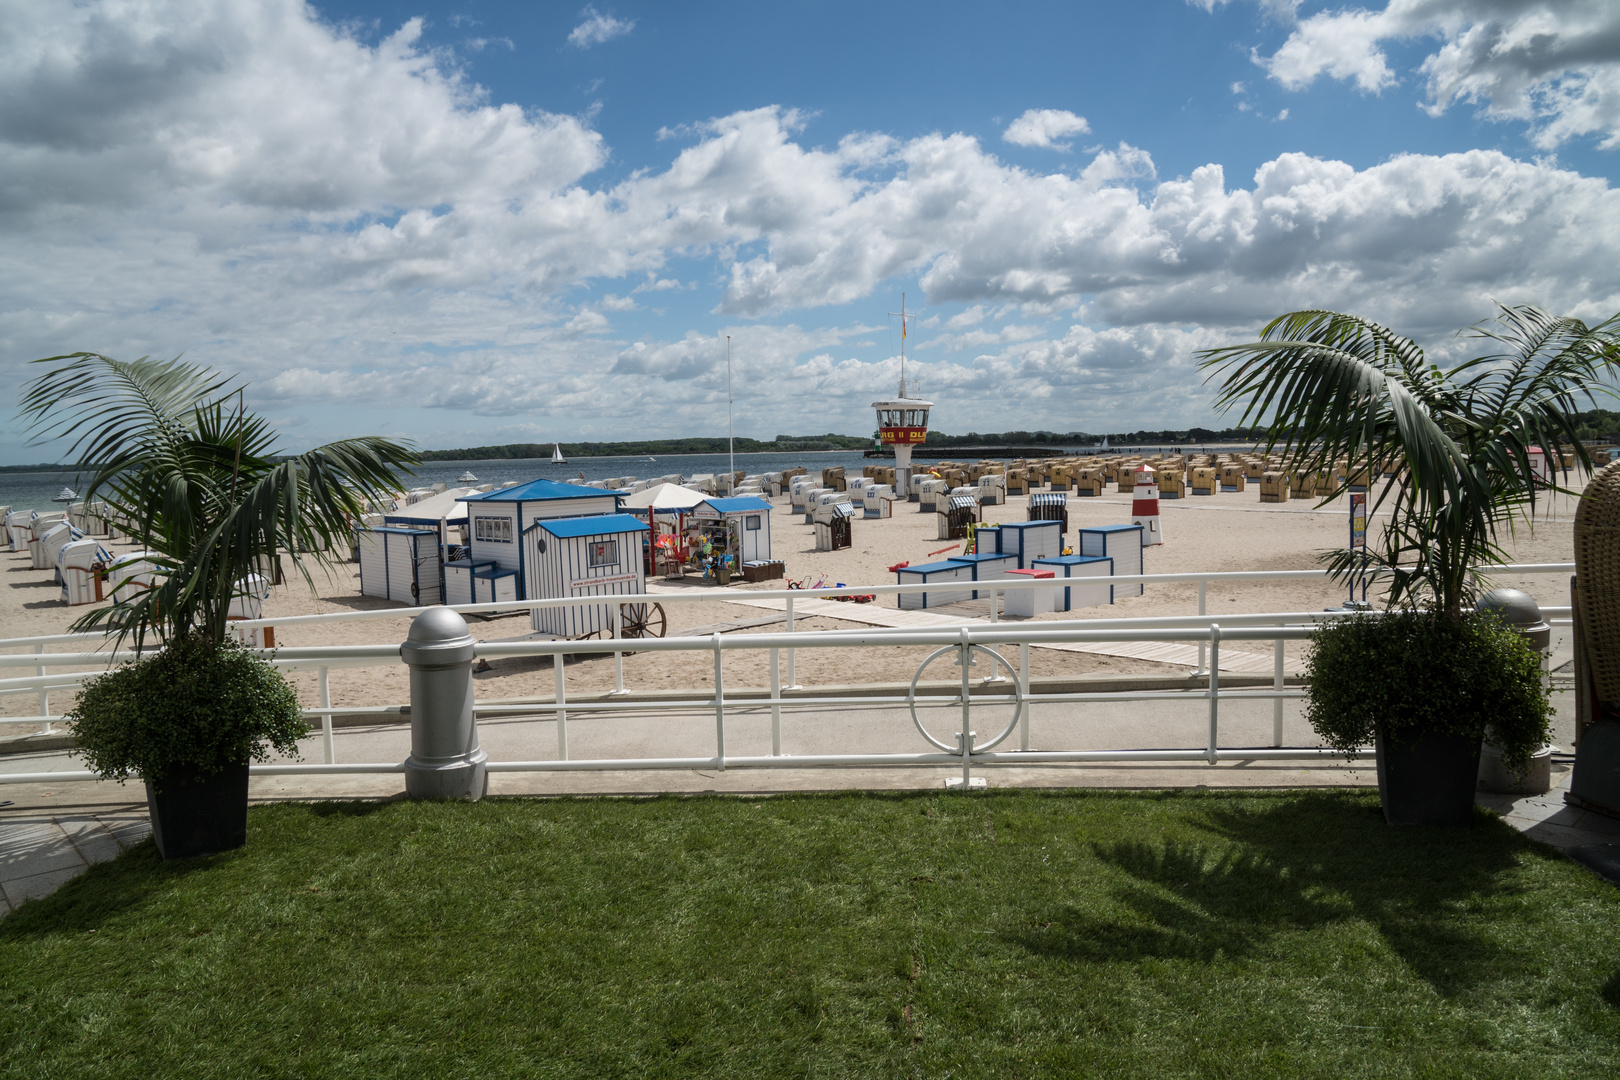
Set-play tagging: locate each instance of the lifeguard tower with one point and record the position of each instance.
(902, 420)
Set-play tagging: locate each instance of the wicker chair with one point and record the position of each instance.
(1596, 780)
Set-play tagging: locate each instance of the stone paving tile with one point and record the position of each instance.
(36, 885)
(90, 837)
(128, 829)
(35, 846)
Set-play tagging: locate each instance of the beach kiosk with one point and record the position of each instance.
(404, 565)
(741, 524)
(497, 520)
(1123, 544)
(665, 506)
(597, 556)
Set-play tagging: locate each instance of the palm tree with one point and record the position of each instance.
(1333, 387)
(196, 480)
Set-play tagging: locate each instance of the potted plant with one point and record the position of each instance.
(1475, 674)
(1449, 452)
(197, 481)
(187, 721)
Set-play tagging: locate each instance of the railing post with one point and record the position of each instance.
(776, 703)
(966, 653)
(1214, 690)
(994, 597)
(793, 682)
(44, 694)
(326, 719)
(1023, 686)
(1277, 705)
(1202, 583)
(561, 695)
(618, 657)
(719, 707)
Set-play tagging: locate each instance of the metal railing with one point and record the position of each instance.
(1206, 632)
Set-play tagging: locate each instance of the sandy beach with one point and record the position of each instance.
(1225, 532)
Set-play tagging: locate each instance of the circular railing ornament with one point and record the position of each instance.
(1001, 661)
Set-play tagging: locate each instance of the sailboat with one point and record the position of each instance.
(557, 454)
(1105, 442)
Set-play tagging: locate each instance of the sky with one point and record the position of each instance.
(477, 222)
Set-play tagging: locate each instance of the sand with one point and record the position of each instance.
(1230, 531)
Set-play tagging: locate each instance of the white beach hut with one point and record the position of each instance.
(596, 556)
(1092, 588)
(1123, 544)
(404, 565)
(497, 520)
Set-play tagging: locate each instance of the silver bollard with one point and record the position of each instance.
(445, 761)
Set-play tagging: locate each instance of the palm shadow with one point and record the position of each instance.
(1306, 862)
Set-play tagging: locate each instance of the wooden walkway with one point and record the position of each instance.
(872, 614)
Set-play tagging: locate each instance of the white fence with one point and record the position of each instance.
(965, 642)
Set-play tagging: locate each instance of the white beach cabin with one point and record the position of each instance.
(498, 520)
(595, 556)
(405, 565)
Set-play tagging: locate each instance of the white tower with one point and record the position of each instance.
(902, 420)
(1145, 506)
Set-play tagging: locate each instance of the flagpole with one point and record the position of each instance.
(731, 438)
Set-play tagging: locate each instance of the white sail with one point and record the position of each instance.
(557, 454)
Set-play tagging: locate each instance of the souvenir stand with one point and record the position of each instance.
(667, 509)
(597, 556)
(497, 520)
(739, 528)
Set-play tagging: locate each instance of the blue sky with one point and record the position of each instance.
(488, 222)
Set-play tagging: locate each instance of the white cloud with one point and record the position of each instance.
(353, 224)
(1553, 65)
(1041, 127)
(598, 28)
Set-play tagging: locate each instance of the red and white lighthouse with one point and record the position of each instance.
(1145, 506)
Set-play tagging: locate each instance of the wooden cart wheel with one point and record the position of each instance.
(642, 620)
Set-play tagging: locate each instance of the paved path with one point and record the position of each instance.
(39, 852)
(874, 614)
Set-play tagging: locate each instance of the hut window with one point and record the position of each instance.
(604, 553)
(751, 523)
(496, 530)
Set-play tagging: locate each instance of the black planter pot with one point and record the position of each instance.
(1428, 779)
(192, 816)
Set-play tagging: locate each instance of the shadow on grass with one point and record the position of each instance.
(1307, 863)
(104, 892)
(351, 809)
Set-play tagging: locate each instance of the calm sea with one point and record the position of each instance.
(34, 490)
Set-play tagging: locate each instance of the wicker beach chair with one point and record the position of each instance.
(1595, 597)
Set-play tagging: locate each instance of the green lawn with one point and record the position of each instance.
(1006, 934)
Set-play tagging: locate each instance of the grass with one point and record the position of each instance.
(1009, 934)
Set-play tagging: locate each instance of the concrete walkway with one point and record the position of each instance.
(41, 852)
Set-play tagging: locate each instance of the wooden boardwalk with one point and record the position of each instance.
(950, 617)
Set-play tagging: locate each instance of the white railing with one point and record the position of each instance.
(1206, 632)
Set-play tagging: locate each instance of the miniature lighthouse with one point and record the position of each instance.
(903, 420)
(1145, 506)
